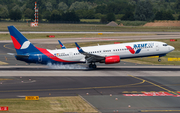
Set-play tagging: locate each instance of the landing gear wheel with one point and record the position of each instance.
(92, 66)
(159, 60)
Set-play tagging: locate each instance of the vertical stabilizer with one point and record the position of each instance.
(21, 44)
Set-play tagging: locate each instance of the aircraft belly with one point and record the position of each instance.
(72, 59)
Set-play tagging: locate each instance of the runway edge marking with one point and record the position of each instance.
(89, 104)
(154, 84)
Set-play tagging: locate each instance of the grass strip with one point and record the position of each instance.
(43, 36)
(85, 27)
(48, 105)
(3, 63)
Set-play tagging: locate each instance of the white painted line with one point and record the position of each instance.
(21, 96)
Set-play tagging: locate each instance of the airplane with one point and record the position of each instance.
(61, 44)
(108, 54)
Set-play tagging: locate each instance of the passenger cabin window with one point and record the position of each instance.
(106, 50)
(164, 44)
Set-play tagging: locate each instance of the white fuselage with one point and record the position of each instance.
(124, 50)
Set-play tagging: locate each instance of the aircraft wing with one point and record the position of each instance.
(90, 57)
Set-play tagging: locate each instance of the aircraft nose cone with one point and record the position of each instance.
(172, 48)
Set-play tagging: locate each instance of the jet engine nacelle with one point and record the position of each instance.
(112, 59)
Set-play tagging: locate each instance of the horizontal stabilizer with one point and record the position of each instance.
(12, 54)
(22, 57)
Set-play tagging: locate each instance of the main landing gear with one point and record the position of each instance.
(92, 66)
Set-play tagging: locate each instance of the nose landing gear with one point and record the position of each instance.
(159, 59)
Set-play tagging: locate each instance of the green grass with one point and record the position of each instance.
(47, 105)
(132, 23)
(85, 27)
(21, 105)
(41, 36)
(90, 20)
(125, 23)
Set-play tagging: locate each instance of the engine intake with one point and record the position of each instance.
(112, 59)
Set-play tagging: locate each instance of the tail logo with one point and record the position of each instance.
(62, 46)
(132, 50)
(79, 48)
(25, 45)
(17, 45)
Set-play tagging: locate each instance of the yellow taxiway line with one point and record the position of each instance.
(104, 87)
(154, 84)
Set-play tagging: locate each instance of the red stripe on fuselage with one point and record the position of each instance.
(130, 49)
(51, 56)
(17, 45)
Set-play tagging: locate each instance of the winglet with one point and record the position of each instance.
(61, 44)
(79, 48)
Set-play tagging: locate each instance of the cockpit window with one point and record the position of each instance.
(165, 45)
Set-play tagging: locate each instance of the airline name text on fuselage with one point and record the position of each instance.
(143, 45)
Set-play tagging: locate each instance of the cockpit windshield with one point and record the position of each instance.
(165, 45)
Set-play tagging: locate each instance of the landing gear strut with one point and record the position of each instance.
(92, 66)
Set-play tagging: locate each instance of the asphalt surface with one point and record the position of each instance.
(97, 86)
(104, 87)
(70, 86)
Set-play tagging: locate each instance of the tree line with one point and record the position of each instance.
(106, 10)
